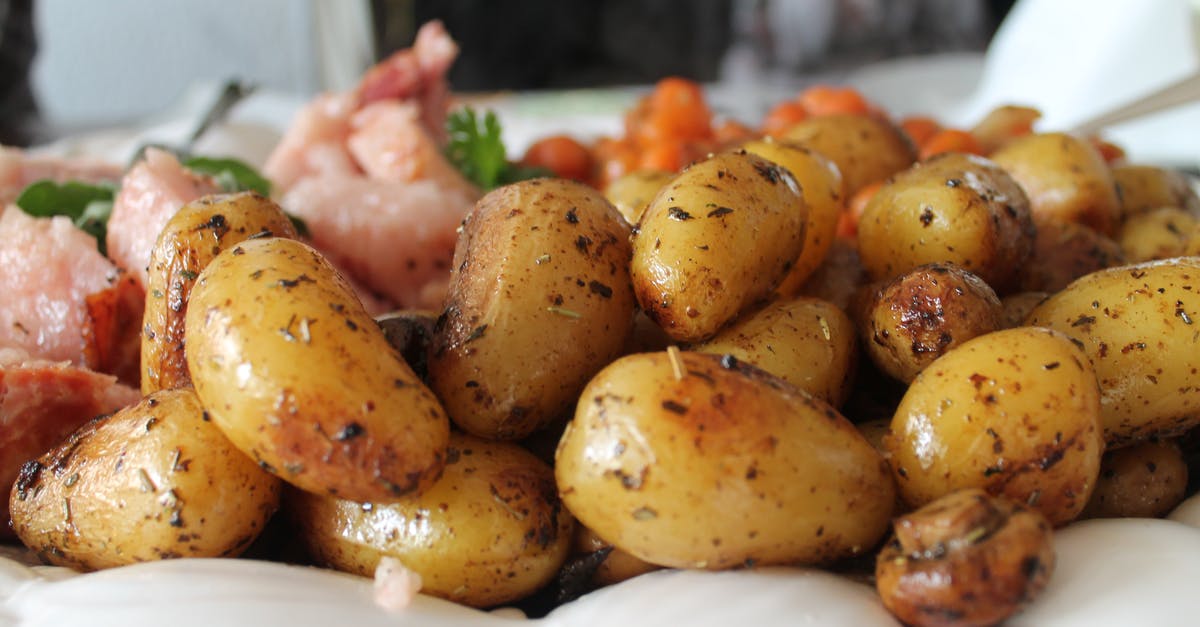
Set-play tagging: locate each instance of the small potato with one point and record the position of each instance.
(807, 342)
(1139, 326)
(301, 379)
(492, 530)
(1065, 178)
(1143, 188)
(716, 240)
(540, 299)
(193, 236)
(617, 565)
(703, 462)
(825, 194)
(920, 316)
(630, 193)
(1015, 308)
(1063, 252)
(1003, 124)
(1156, 234)
(954, 208)
(864, 148)
(1015, 412)
(839, 277)
(1146, 480)
(153, 481)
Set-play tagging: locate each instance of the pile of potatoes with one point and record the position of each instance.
(695, 371)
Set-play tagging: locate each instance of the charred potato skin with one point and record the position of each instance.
(492, 530)
(724, 467)
(716, 240)
(153, 481)
(1137, 325)
(1145, 480)
(864, 148)
(1065, 178)
(1014, 412)
(191, 239)
(921, 315)
(954, 208)
(966, 559)
(301, 378)
(540, 299)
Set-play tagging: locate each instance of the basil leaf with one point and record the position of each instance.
(232, 175)
(88, 206)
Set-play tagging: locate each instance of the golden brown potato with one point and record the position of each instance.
(839, 277)
(190, 240)
(492, 530)
(301, 379)
(704, 462)
(967, 559)
(807, 342)
(716, 240)
(617, 565)
(1063, 252)
(1065, 178)
(630, 193)
(540, 299)
(954, 208)
(921, 315)
(1156, 234)
(864, 148)
(1138, 325)
(1015, 308)
(153, 481)
(825, 194)
(1002, 124)
(1146, 480)
(1015, 412)
(1143, 188)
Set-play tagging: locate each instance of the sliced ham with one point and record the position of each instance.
(63, 300)
(41, 403)
(19, 169)
(417, 74)
(315, 143)
(151, 192)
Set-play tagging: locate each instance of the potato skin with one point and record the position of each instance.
(540, 299)
(1145, 480)
(631, 193)
(807, 342)
(725, 467)
(1015, 412)
(923, 314)
(191, 239)
(1065, 178)
(490, 531)
(1156, 234)
(1138, 326)
(954, 208)
(153, 481)
(717, 239)
(1144, 188)
(864, 148)
(301, 379)
(1065, 251)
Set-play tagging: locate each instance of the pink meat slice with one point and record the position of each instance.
(18, 170)
(41, 403)
(315, 143)
(50, 269)
(151, 192)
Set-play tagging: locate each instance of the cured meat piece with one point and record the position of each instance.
(18, 170)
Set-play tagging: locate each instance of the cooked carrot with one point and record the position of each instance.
(950, 140)
(782, 117)
(675, 109)
(920, 128)
(563, 156)
(729, 132)
(1111, 152)
(613, 158)
(848, 219)
(667, 155)
(827, 100)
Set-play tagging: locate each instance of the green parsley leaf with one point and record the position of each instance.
(477, 150)
(88, 206)
(232, 175)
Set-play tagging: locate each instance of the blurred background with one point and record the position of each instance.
(67, 66)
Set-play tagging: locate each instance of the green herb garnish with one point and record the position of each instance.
(477, 150)
(232, 175)
(88, 206)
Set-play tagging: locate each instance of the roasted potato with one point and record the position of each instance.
(864, 148)
(540, 299)
(1065, 178)
(1156, 234)
(617, 565)
(190, 240)
(1015, 308)
(839, 277)
(630, 193)
(699, 461)
(1138, 325)
(301, 379)
(921, 315)
(807, 342)
(1063, 252)
(1003, 124)
(716, 240)
(492, 530)
(1144, 187)
(1015, 412)
(1145, 480)
(156, 480)
(954, 208)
